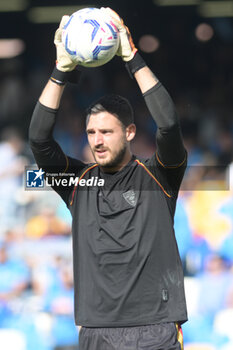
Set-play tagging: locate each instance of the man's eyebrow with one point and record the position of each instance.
(100, 129)
(104, 129)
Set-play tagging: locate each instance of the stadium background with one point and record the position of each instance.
(190, 49)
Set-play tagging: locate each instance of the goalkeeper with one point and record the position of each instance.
(128, 278)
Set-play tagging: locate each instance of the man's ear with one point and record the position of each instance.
(130, 132)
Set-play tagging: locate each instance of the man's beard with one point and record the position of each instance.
(117, 160)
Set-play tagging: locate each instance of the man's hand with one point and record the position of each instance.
(64, 62)
(127, 48)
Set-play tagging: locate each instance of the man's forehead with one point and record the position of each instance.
(102, 120)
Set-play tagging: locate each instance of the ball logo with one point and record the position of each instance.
(35, 178)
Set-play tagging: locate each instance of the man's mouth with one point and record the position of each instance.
(100, 152)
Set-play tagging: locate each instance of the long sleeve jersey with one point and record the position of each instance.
(127, 269)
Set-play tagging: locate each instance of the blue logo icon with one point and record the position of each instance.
(35, 179)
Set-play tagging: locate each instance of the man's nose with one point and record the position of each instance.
(98, 139)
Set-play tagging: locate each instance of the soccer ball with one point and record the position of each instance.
(90, 37)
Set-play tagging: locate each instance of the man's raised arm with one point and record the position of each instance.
(170, 148)
(51, 95)
(43, 118)
(47, 152)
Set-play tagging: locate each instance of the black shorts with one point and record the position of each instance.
(163, 336)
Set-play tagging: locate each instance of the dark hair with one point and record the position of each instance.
(114, 104)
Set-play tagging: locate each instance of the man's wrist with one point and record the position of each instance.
(136, 63)
(61, 78)
(58, 77)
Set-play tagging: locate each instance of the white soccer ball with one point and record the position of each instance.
(90, 37)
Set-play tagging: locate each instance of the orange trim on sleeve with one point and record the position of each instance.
(170, 166)
(153, 177)
(180, 336)
(67, 163)
(83, 174)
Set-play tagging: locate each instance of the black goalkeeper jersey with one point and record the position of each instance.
(127, 269)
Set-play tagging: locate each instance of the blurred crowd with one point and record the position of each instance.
(36, 285)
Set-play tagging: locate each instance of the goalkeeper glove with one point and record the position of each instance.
(126, 49)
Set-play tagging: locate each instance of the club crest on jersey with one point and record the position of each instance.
(131, 197)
